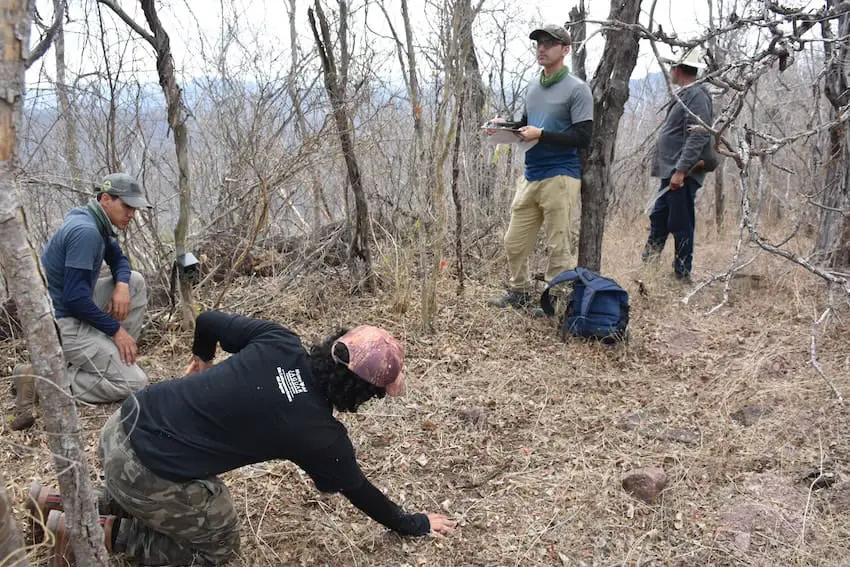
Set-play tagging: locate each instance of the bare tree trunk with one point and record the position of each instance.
(406, 53)
(833, 239)
(12, 551)
(473, 84)
(27, 287)
(455, 65)
(320, 202)
(178, 115)
(413, 80)
(720, 172)
(610, 86)
(336, 78)
(69, 117)
(441, 142)
(578, 33)
(456, 191)
(110, 142)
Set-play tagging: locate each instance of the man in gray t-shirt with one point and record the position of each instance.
(558, 118)
(677, 157)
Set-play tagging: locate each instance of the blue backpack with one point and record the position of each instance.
(597, 307)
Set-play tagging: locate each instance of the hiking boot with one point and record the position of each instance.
(25, 397)
(683, 277)
(651, 253)
(42, 500)
(40, 503)
(63, 554)
(515, 299)
(518, 300)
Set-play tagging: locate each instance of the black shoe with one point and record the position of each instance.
(520, 300)
(683, 277)
(515, 299)
(650, 253)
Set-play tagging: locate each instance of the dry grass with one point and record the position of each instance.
(533, 473)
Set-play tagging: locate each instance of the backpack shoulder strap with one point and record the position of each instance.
(591, 283)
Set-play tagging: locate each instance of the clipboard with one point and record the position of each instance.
(503, 135)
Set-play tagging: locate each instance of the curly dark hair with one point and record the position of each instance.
(343, 388)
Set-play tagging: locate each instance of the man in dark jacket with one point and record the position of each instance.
(271, 399)
(679, 150)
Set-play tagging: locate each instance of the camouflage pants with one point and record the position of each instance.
(169, 523)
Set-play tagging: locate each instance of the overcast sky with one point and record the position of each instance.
(197, 26)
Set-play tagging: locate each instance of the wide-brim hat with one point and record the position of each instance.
(693, 57)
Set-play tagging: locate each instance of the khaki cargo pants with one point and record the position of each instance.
(95, 370)
(554, 203)
(169, 523)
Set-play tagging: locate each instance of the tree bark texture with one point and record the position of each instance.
(610, 87)
(578, 33)
(27, 287)
(832, 245)
(69, 118)
(335, 83)
(320, 202)
(413, 80)
(12, 551)
(457, 200)
(720, 173)
(178, 115)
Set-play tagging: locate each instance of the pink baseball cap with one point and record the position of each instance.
(375, 356)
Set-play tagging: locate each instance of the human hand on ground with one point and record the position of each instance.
(440, 524)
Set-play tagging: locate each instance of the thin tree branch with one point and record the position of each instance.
(129, 21)
(814, 355)
(39, 50)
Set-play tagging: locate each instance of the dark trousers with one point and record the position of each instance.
(674, 214)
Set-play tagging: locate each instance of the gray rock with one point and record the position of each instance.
(475, 416)
(761, 510)
(751, 414)
(634, 420)
(685, 436)
(645, 484)
(839, 498)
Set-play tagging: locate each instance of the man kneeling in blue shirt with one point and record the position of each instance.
(99, 319)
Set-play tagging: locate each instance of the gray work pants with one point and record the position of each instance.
(95, 370)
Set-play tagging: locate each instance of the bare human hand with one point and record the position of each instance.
(497, 120)
(196, 365)
(126, 346)
(677, 180)
(119, 305)
(530, 133)
(440, 524)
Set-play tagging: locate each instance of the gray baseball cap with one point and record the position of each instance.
(559, 33)
(126, 188)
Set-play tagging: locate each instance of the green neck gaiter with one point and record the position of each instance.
(100, 218)
(546, 82)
